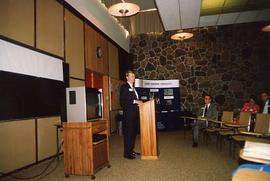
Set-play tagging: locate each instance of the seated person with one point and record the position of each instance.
(265, 104)
(251, 106)
(209, 112)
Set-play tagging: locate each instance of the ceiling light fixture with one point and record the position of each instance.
(181, 35)
(266, 28)
(124, 9)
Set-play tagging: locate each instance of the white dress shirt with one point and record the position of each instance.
(206, 105)
(133, 88)
(265, 108)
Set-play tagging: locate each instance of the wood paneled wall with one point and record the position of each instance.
(18, 144)
(74, 44)
(50, 30)
(76, 83)
(106, 102)
(46, 135)
(93, 40)
(93, 80)
(44, 27)
(113, 61)
(17, 20)
(115, 93)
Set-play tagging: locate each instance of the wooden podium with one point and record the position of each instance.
(148, 131)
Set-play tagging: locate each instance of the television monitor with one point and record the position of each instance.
(93, 103)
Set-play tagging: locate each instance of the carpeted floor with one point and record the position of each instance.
(178, 161)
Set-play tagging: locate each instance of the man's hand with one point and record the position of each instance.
(138, 102)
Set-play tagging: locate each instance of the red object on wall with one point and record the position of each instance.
(93, 80)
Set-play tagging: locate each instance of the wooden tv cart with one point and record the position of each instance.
(82, 156)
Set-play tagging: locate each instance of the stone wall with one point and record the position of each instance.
(228, 62)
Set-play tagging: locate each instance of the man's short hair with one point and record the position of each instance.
(129, 72)
(208, 96)
(265, 92)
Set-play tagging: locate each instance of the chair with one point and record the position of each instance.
(261, 128)
(243, 120)
(226, 117)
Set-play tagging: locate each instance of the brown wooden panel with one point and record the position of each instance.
(113, 61)
(76, 83)
(93, 40)
(90, 44)
(100, 155)
(50, 30)
(17, 20)
(46, 135)
(115, 93)
(77, 148)
(106, 102)
(93, 80)
(18, 145)
(81, 155)
(74, 42)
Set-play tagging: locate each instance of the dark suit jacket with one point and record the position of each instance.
(211, 112)
(262, 107)
(127, 97)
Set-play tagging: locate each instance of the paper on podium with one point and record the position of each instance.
(257, 150)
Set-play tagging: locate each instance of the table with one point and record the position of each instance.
(185, 122)
(59, 127)
(251, 159)
(192, 119)
(235, 126)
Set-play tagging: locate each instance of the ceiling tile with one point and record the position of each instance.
(190, 13)
(208, 20)
(247, 16)
(263, 15)
(169, 13)
(228, 18)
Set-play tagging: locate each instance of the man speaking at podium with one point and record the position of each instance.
(130, 102)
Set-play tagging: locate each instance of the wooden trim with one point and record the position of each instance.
(29, 47)
(36, 139)
(35, 23)
(64, 29)
(22, 119)
(84, 52)
(76, 78)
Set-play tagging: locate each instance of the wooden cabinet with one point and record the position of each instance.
(83, 154)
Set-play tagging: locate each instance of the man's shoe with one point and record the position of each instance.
(136, 153)
(195, 145)
(131, 157)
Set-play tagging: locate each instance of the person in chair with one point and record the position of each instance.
(265, 105)
(130, 102)
(207, 112)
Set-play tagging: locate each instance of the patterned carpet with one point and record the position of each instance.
(178, 161)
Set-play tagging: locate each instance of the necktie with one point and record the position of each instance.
(205, 111)
(135, 93)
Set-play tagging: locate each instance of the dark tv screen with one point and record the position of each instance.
(93, 103)
(23, 96)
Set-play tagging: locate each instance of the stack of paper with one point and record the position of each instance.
(257, 150)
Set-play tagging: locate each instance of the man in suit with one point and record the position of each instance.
(130, 102)
(207, 112)
(265, 105)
